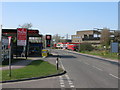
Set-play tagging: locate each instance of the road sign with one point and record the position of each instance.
(21, 36)
(114, 47)
(44, 53)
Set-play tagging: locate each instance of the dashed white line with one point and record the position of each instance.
(62, 86)
(72, 86)
(69, 81)
(61, 82)
(114, 76)
(97, 68)
(86, 63)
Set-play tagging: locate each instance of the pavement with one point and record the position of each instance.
(19, 64)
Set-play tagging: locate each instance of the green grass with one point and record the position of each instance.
(35, 69)
(103, 54)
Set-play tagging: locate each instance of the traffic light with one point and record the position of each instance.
(48, 37)
(48, 40)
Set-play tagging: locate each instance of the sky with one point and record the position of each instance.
(61, 17)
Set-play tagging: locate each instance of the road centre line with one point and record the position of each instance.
(114, 76)
(97, 68)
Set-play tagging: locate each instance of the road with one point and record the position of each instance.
(82, 72)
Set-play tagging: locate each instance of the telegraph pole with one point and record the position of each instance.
(1, 44)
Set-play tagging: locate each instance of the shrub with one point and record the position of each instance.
(86, 47)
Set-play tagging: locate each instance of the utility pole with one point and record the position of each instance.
(66, 37)
(0, 44)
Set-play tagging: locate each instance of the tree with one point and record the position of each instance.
(57, 38)
(105, 37)
(26, 25)
(117, 36)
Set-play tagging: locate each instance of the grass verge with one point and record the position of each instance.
(35, 69)
(103, 54)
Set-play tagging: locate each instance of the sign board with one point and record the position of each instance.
(5, 41)
(21, 36)
(114, 47)
(44, 53)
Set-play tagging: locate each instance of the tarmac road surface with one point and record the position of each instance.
(82, 72)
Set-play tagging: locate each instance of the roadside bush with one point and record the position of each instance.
(86, 47)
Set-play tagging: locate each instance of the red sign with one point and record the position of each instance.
(9, 41)
(21, 36)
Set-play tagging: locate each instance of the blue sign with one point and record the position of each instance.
(114, 47)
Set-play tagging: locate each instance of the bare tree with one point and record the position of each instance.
(105, 37)
(57, 38)
(26, 25)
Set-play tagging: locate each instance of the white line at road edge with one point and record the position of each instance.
(97, 68)
(62, 65)
(114, 76)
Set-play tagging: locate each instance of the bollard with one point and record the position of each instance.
(57, 63)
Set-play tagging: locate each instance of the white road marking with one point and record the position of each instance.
(70, 82)
(114, 76)
(62, 65)
(62, 85)
(68, 79)
(61, 82)
(72, 86)
(86, 63)
(97, 68)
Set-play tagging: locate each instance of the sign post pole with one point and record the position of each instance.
(9, 46)
(26, 44)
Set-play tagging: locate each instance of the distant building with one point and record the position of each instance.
(89, 36)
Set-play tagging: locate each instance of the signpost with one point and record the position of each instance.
(9, 46)
(22, 38)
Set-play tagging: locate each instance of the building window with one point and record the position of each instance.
(85, 36)
(90, 36)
